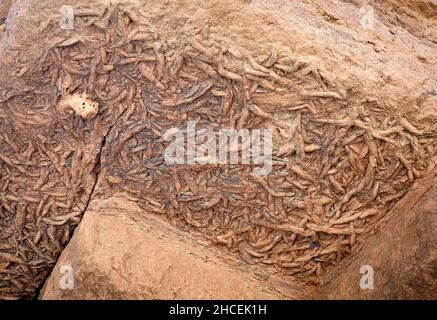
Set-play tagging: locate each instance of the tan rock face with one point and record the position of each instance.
(348, 89)
(5, 5)
(403, 254)
(118, 252)
(113, 256)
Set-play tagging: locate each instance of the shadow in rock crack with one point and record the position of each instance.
(96, 170)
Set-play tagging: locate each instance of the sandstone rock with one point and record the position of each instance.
(5, 5)
(115, 257)
(118, 252)
(403, 254)
(348, 87)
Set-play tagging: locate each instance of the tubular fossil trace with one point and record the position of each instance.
(336, 171)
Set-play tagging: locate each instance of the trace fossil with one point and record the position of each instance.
(336, 171)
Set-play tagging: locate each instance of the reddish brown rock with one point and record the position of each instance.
(5, 5)
(115, 257)
(353, 106)
(403, 253)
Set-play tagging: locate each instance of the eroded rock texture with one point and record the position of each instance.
(119, 252)
(402, 254)
(84, 114)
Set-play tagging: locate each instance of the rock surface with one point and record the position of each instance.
(361, 72)
(403, 253)
(5, 6)
(115, 257)
(119, 253)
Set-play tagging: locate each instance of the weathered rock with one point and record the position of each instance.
(120, 253)
(402, 254)
(5, 5)
(350, 94)
(115, 257)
